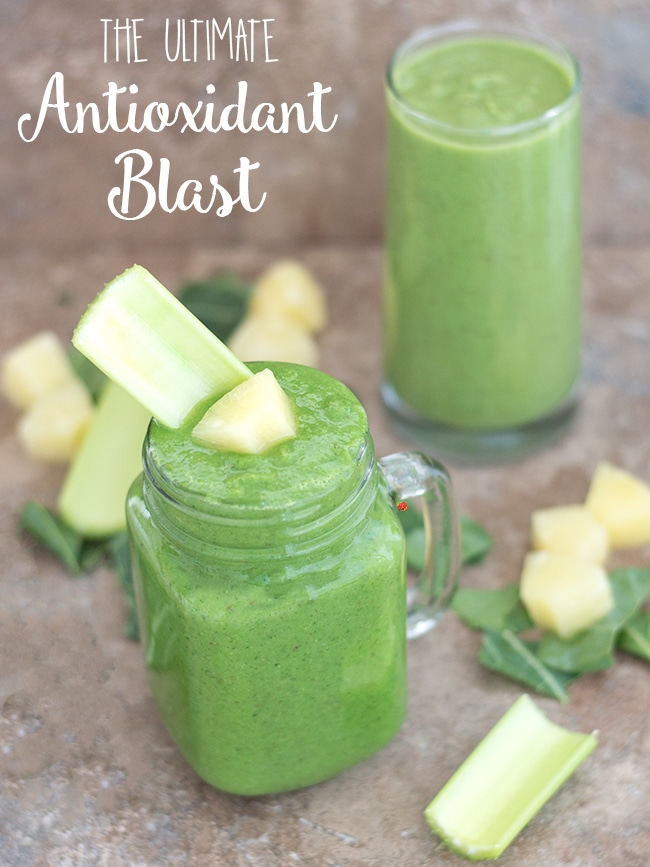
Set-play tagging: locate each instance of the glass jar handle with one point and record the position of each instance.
(413, 475)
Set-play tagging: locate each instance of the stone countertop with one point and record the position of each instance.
(89, 775)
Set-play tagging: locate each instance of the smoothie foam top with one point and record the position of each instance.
(481, 82)
(321, 461)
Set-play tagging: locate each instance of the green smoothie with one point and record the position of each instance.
(271, 595)
(482, 247)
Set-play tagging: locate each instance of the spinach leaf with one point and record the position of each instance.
(593, 648)
(635, 635)
(80, 555)
(631, 587)
(410, 518)
(75, 552)
(589, 650)
(476, 542)
(475, 539)
(506, 654)
(219, 302)
(91, 376)
(93, 553)
(121, 557)
(491, 609)
(415, 549)
(54, 534)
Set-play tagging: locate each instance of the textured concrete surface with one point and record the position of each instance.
(89, 775)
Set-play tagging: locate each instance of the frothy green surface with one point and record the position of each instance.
(332, 427)
(482, 83)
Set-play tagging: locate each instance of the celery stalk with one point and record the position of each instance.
(515, 769)
(93, 494)
(144, 339)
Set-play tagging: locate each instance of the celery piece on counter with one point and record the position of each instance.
(93, 495)
(510, 775)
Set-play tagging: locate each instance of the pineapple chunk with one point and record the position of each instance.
(34, 368)
(621, 502)
(271, 337)
(563, 593)
(570, 530)
(251, 418)
(54, 427)
(289, 289)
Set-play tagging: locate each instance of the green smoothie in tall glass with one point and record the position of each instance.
(482, 247)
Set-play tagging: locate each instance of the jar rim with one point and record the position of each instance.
(305, 524)
(286, 495)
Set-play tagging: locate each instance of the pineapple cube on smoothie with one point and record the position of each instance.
(34, 368)
(621, 502)
(570, 530)
(250, 418)
(563, 593)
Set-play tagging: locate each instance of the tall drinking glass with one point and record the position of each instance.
(482, 330)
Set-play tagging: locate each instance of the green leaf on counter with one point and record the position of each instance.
(410, 518)
(550, 664)
(506, 654)
(635, 635)
(592, 649)
(491, 609)
(77, 554)
(93, 552)
(631, 588)
(91, 376)
(415, 549)
(219, 302)
(47, 528)
(476, 542)
(80, 555)
(121, 558)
